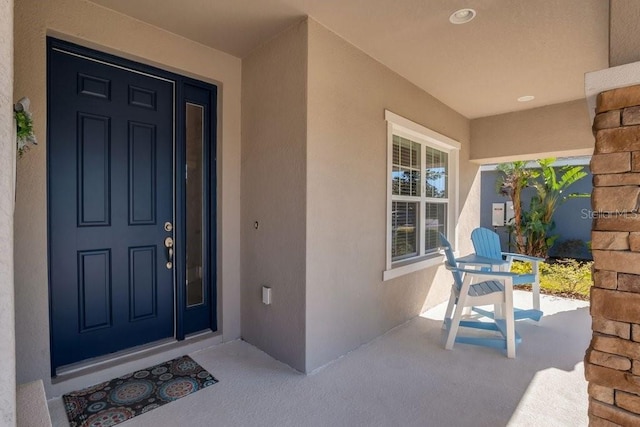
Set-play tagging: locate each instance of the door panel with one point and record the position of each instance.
(110, 150)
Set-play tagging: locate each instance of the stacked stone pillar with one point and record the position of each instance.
(612, 362)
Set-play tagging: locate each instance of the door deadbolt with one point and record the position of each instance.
(168, 226)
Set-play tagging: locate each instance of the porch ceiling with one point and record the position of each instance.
(511, 49)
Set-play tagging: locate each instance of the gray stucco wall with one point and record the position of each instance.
(572, 218)
(274, 138)
(348, 303)
(558, 130)
(314, 159)
(7, 168)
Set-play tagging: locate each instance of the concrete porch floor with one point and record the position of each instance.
(404, 377)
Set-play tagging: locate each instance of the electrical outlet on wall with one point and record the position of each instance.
(266, 295)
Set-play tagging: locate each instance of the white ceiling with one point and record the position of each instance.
(512, 48)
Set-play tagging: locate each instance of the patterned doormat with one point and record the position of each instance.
(120, 399)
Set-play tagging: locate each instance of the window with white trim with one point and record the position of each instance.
(422, 176)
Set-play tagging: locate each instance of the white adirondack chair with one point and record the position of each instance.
(473, 288)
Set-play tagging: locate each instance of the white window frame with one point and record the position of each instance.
(398, 125)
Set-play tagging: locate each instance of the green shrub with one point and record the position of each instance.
(567, 277)
(571, 248)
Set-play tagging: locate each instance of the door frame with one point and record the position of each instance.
(179, 156)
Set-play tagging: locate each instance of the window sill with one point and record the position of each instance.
(401, 270)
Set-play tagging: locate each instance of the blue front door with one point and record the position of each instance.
(111, 207)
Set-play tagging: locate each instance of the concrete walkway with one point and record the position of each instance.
(404, 378)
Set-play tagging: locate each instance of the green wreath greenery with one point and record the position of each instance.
(24, 127)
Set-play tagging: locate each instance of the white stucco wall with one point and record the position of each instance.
(274, 136)
(94, 26)
(7, 164)
(347, 303)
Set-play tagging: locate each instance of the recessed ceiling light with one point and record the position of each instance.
(462, 16)
(526, 98)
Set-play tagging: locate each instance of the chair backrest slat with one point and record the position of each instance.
(486, 243)
(451, 260)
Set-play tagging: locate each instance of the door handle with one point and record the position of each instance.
(168, 243)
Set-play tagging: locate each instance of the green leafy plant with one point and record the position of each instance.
(572, 248)
(533, 228)
(24, 126)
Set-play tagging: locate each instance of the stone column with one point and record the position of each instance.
(612, 362)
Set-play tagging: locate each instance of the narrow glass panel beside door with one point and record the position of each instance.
(194, 190)
(196, 212)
